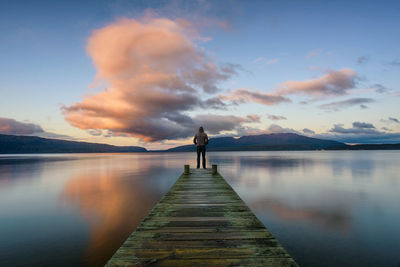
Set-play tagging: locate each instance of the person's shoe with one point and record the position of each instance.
(198, 167)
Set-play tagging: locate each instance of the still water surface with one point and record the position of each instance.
(339, 208)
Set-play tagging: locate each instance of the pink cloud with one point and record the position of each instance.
(276, 117)
(217, 123)
(11, 126)
(332, 83)
(155, 73)
(355, 101)
(273, 128)
(239, 96)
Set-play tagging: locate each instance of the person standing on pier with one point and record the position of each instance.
(201, 140)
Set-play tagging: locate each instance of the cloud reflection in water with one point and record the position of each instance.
(114, 202)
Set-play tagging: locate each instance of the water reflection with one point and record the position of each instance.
(361, 169)
(78, 209)
(273, 162)
(112, 204)
(337, 219)
(338, 199)
(268, 184)
(249, 159)
(92, 202)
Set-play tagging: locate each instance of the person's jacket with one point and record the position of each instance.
(200, 139)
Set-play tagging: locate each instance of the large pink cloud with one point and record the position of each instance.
(154, 73)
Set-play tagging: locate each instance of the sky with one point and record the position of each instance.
(149, 73)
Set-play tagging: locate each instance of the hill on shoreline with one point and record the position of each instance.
(280, 142)
(13, 144)
(277, 141)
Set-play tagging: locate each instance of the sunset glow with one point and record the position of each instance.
(148, 73)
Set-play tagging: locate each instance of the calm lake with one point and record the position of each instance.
(339, 208)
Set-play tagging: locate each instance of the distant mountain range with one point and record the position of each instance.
(278, 141)
(12, 144)
(15, 144)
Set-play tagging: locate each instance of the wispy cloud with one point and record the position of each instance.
(390, 120)
(358, 128)
(363, 125)
(273, 128)
(337, 105)
(13, 127)
(217, 123)
(360, 132)
(308, 131)
(332, 83)
(379, 88)
(240, 96)
(276, 117)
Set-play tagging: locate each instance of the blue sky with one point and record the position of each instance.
(45, 66)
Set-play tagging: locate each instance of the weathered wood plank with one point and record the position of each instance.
(201, 221)
(163, 244)
(202, 236)
(207, 253)
(253, 262)
(196, 229)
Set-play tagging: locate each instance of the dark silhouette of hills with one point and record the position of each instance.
(279, 141)
(14, 144)
(374, 147)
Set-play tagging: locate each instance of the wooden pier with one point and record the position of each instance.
(201, 221)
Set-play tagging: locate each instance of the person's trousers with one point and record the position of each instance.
(202, 150)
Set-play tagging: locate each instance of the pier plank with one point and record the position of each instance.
(201, 221)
